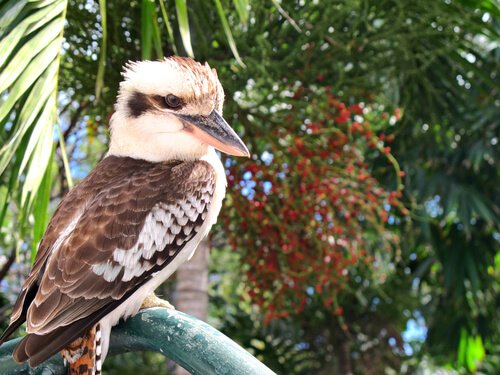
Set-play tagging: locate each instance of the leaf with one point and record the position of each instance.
(462, 347)
(4, 195)
(64, 156)
(31, 110)
(227, 31)
(145, 31)
(182, 18)
(9, 12)
(242, 9)
(150, 35)
(99, 82)
(55, 9)
(42, 153)
(150, 31)
(29, 76)
(32, 106)
(472, 272)
(24, 56)
(41, 206)
(170, 33)
(156, 34)
(474, 352)
(25, 27)
(481, 207)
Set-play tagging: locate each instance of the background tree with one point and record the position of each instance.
(436, 60)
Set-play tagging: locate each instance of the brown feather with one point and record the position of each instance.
(114, 202)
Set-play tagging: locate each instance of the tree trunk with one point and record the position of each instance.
(192, 287)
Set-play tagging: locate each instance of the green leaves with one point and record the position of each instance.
(30, 45)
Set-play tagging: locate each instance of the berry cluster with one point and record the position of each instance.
(309, 210)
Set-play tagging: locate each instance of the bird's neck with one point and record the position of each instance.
(157, 156)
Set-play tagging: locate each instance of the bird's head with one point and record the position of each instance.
(171, 109)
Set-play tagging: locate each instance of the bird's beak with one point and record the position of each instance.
(215, 131)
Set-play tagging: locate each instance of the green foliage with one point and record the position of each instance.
(30, 45)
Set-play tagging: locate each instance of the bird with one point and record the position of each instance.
(138, 215)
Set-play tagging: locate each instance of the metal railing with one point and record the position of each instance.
(193, 344)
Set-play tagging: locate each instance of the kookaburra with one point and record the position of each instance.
(134, 219)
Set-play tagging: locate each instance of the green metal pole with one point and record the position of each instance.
(193, 344)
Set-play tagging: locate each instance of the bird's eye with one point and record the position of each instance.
(173, 101)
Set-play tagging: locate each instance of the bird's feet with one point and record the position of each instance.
(153, 301)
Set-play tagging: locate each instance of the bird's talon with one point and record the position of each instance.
(154, 301)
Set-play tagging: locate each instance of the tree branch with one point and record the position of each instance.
(10, 261)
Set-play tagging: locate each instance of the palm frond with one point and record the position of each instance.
(182, 16)
(31, 35)
(227, 31)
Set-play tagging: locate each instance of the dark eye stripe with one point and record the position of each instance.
(140, 103)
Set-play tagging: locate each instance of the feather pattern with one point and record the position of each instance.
(111, 234)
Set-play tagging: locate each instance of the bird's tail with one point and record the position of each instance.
(84, 354)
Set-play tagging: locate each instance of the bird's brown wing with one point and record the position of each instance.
(131, 228)
(60, 220)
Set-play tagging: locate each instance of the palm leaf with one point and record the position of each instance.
(182, 17)
(170, 32)
(227, 31)
(30, 50)
(40, 206)
(99, 83)
(242, 9)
